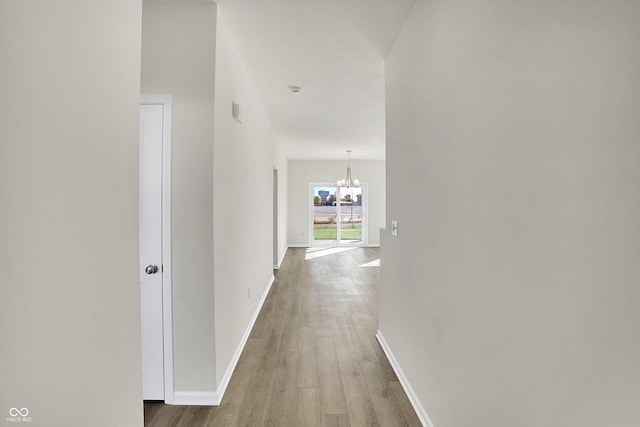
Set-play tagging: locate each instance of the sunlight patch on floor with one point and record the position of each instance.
(313, 253)
(374, 263)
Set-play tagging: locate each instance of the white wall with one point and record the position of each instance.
(304, 172)
(69, 284)
(511, 296)
(244, 157)
(178, 58)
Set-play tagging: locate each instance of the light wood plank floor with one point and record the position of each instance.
(312, 358)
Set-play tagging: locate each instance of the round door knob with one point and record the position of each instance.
(151, 269)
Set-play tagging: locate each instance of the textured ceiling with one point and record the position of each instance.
(334, 50)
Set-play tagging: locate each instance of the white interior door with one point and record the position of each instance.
(151, 272)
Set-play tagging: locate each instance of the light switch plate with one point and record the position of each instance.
(394, 228)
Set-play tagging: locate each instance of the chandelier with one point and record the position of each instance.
(348, 182)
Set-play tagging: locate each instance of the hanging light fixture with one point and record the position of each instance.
(348, 182)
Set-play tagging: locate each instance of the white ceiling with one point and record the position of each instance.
(334, 50)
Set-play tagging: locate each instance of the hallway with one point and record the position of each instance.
(312, 358)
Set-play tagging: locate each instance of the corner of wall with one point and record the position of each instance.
(226, 378)
(413, 397)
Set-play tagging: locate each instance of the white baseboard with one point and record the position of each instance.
(198, 398)
(222, 387)
(277, 267)
(302, 245)
(417, 406)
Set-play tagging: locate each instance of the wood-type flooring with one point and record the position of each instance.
(312, 358)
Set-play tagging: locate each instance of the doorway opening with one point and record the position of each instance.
(276, 255)
(338, 215)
